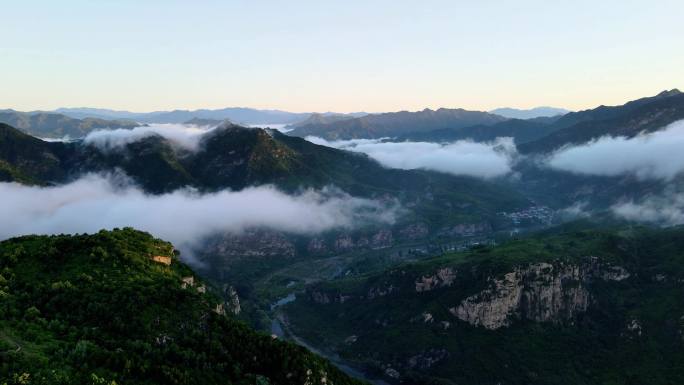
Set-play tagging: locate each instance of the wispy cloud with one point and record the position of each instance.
(666, 209)
(657, 155)
(484, 160)
(183, 135)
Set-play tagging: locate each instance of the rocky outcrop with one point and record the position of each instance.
(316, 246)
(614, 273)
(427, 317)
(443, 277)
(427, 359)
(319, 297)
(252, 243)
(542, 292)
(376, 292)
(233, 301)
(345, 242)
(414, 231)
(634, 327)
(381, 239)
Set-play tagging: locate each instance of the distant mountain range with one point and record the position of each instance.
(642, 115)
(327, 118)
(235, 114)
(392, 124)
(545, 134)
(54, 125)
(205, 122)
(522, 130)
(550, 126)
(239, 115)
(537, 112)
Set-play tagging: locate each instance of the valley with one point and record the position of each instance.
(438, 319)
(342, 193)
(420, 274)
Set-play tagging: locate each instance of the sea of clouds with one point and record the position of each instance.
(463, 157)
(666, 209)
(657, 155)
(648, 156)
(184, 217)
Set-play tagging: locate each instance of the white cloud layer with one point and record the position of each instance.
(183, 135)
(463, 157)
(182, 217)
(664, 210)
(658, 155)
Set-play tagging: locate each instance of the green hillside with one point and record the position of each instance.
(26, 159)
(565, 307)
(97, 309)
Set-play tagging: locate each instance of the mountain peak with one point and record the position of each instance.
(667, 93)
(531, 113)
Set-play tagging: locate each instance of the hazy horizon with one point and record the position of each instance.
(345, 57)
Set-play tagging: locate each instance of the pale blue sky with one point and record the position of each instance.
(342, 56)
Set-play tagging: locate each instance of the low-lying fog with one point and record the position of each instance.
(183, 217)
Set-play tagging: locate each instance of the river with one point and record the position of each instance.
(280, 328)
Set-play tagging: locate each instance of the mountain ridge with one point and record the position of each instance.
(392, 124)
(531, 113)
(119, 307)
(242, 115)
(56, 126)
(647, 114)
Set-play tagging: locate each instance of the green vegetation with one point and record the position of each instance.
(26, 159)
(631, 333)
(96, 309)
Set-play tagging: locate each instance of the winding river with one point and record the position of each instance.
(280, 328)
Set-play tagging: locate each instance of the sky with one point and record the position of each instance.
(340, 56)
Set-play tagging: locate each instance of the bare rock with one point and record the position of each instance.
(541, 292)
(443, 277)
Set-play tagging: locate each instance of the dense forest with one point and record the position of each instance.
(570, 305)
(118, 307)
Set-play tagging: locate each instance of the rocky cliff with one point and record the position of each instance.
(543, 292)
(251, 243)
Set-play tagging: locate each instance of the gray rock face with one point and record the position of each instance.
(541, 292)
(233, 301)
(380, 239)
(252, 243)
(320, 297)
(427, 359)
(442, 278)
(414, 231)
(344, 242)
(376, 292)
(316, 246)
